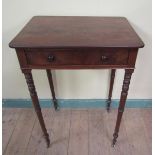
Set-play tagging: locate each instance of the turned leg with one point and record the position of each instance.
(35, 101)
(49, 75)
(112, 77)
(124, 93)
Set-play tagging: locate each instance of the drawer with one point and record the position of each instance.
(62, 57)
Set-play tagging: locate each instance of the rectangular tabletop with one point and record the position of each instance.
(61, 32)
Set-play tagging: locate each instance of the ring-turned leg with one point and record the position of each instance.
(124, 93)
(112, 77)
(35, 101)
(49, 75)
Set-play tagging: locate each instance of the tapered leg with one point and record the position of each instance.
(35, 101)
(124, 93)
(49, 75)
(112, 77)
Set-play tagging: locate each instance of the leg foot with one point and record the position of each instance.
(115, 135)
(108, 105)
(56, 105)
(47, 140)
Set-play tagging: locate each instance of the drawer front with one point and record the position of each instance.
(62, 57)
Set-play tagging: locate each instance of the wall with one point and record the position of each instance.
(82, 83)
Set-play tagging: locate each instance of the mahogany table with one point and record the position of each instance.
(50, 42)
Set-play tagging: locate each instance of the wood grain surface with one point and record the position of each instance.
(54, 31)
(84, 132)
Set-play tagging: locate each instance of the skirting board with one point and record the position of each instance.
(76, 103)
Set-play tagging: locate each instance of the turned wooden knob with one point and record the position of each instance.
(50, 58)
(104, 58)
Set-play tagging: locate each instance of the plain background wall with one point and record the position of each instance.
(81, 83)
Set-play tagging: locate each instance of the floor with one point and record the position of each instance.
(76, 132)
